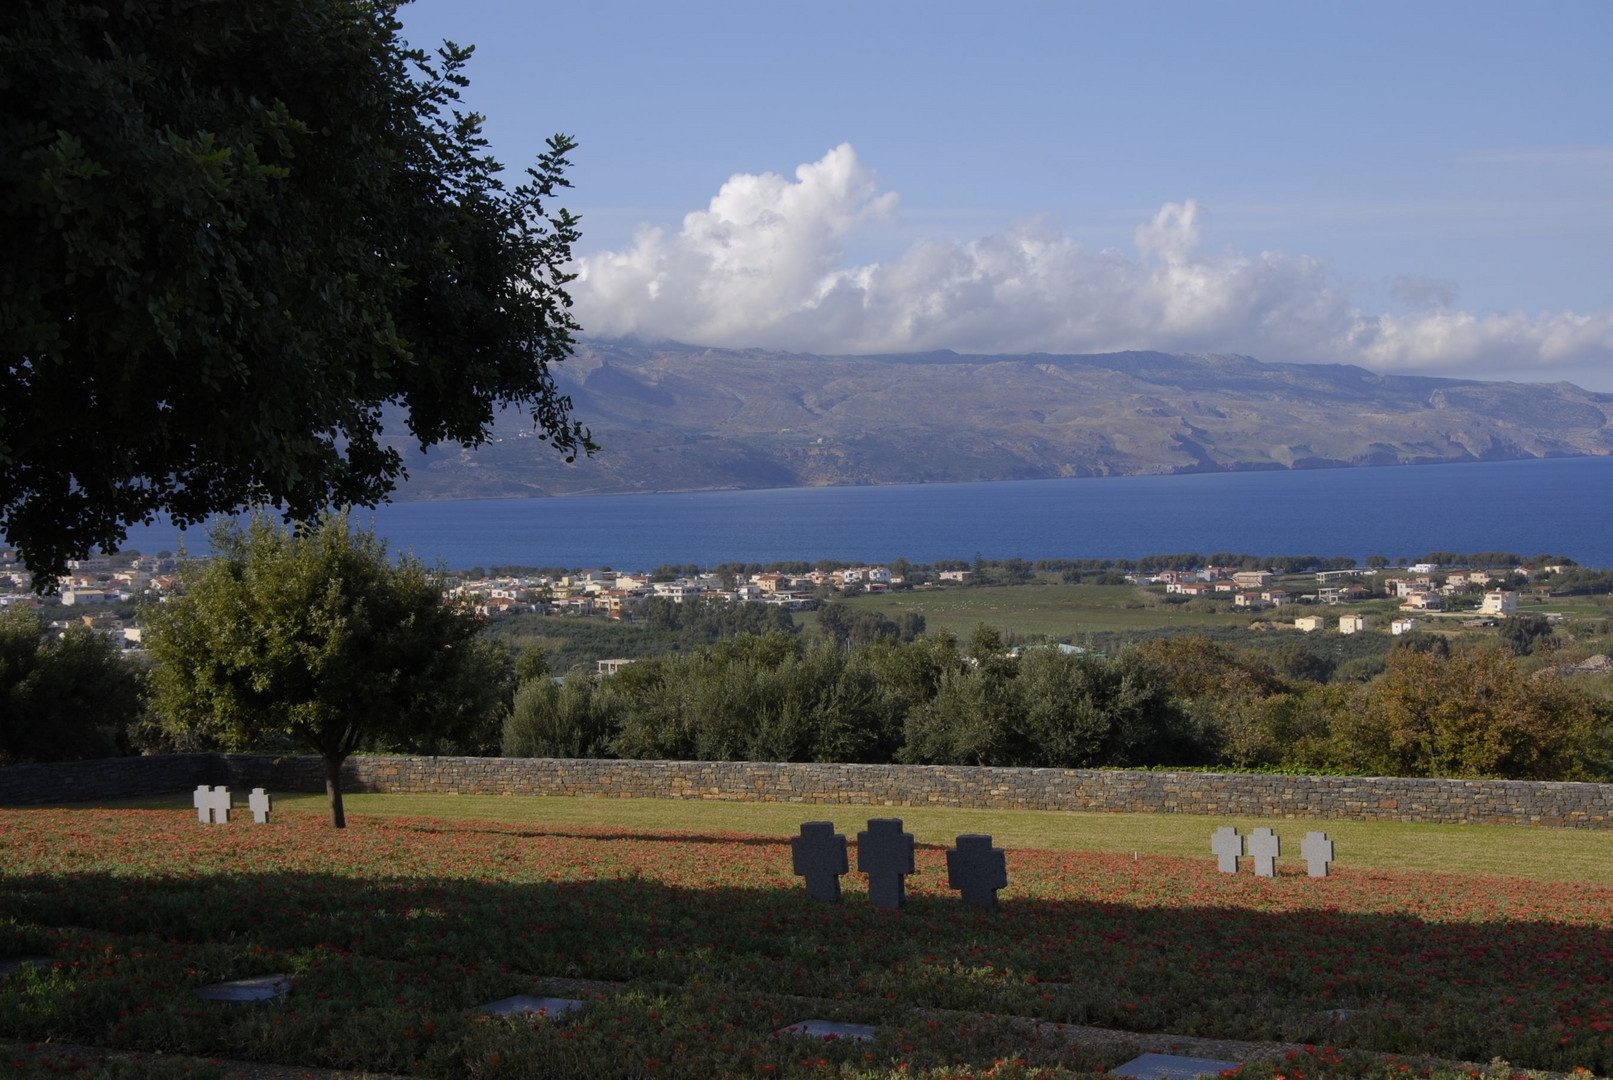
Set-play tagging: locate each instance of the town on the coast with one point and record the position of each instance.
(103, 591)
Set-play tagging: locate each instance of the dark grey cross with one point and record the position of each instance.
(978, 869)
(819, 855)
(885, 854)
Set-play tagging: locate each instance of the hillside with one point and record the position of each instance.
(683, 418)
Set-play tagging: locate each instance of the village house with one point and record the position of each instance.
(1403, 626)
(1421, 600)
(1499, 602)
(1275, 597)
(1253, 579)
(1309, 624)
(1249, 600)
(960, 576)
(1352, 624)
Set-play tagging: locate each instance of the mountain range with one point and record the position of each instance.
(680, 418)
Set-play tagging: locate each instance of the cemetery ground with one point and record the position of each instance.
(684, 934)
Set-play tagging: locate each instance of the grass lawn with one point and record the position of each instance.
(1542, 854)
(682, 929)
(1054, 610)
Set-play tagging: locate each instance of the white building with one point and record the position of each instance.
(1352, 624)
(1309, 624)
(1403, 626)
(1499, 602)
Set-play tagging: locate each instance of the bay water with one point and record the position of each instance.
(1561, 506)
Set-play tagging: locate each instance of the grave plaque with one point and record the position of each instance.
(819, 855)
(258, 802)
(1264, 847)
(1173, 1067)
(257, 988)
(885, 854)
(828, 1029)
(212, 804)
(1317, 851)
(526, 1005)
(1227, 846)
(977, 869)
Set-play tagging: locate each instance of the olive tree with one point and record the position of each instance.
(234, 234)
(320, 636)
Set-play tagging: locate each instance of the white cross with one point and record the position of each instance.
(259, 803)
(212, 805)
(1317, 850)
(1265, 846)
(1227, 846)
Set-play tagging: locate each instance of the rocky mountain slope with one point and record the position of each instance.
(681, 418)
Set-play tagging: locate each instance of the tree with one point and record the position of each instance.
(62, 696)
(321, 637)
(235, 234)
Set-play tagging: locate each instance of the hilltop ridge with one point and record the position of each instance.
(676, 417)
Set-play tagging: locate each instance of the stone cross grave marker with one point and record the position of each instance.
(1317, 851)
(885, 854)
(260, 805)
(212, 804)
(1264, 847)
(819, 855)
(978, 869)
(1227, 846)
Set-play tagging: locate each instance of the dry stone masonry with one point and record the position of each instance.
(1225, 795)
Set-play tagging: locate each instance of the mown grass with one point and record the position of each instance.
(1516, 851)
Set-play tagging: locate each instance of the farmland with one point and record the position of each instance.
(690, 947)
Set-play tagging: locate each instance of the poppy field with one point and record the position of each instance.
(688, 950)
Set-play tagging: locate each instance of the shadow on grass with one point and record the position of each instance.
(420, 951)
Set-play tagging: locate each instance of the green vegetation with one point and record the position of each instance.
(62, 697)
(233, 234)
(321, 639)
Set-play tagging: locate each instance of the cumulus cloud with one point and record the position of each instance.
(764, 265)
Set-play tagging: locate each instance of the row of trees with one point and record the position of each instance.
(1179, 701)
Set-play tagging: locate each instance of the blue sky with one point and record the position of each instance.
(1413, 187)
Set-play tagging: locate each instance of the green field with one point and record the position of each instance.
(1058, 611)
(1541, 854)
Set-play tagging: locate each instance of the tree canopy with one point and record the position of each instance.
(321, 638)
(233, 234)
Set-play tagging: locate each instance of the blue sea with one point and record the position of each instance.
(1561, 506)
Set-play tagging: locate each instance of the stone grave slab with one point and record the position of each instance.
(9, 964)
(257, 988)
(1317, 851)
(828, 1029)
(819, 855)
(1172, 1067)
(1264, 847)
(977, 869)
(527, 1005)
(1227, 846)
(260, 805)
(885, 854)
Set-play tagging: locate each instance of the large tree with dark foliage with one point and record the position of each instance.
(233, 232)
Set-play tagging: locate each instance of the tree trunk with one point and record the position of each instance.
(333, 789)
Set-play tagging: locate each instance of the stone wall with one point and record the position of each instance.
(1234, 795)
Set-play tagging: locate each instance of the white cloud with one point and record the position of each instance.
(764, 266)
